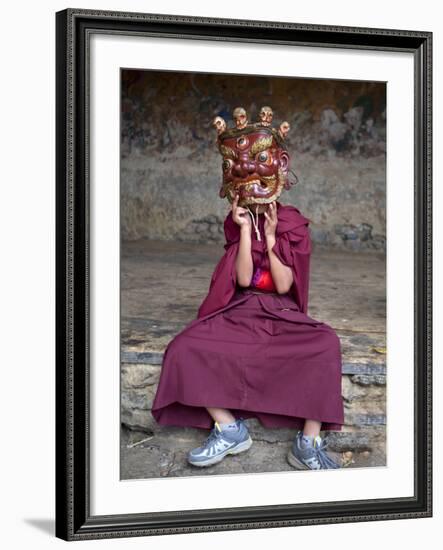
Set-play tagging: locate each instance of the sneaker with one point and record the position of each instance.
(220, 443)
(312, 457)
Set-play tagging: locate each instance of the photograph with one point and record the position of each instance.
(252, 274)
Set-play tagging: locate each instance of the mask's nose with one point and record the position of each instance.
(243, 167)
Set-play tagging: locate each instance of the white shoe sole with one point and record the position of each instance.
(244, 446)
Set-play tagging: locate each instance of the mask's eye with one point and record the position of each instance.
(226, 165)
(242, 142)
(264, 156)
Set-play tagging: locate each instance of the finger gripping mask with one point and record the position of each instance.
(255, 160)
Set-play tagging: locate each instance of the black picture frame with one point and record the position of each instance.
(74, 521)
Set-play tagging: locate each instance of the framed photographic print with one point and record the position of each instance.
(243, 274)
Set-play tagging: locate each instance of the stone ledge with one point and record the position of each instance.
(156, 358)
(144, 357)
(136, 415)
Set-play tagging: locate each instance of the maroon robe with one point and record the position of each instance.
(257, 354)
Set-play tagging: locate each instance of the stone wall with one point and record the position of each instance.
(171, 169)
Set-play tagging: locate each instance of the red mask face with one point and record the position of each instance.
(255, 162)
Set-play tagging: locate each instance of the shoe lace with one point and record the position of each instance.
(323, 458)
(213, 435)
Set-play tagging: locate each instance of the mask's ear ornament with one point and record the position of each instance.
(255, 160)
(284, 129)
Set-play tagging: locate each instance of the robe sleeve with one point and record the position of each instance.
(293, 249)
(223, 282)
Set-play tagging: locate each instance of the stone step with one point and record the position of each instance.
(156, 358)
(143, 357)
(140, 418)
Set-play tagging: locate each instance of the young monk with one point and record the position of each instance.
(253, 351)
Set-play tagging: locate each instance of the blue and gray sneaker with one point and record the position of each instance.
(220, 443)
(310, 457)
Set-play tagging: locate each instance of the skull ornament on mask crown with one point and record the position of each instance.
(255, 159)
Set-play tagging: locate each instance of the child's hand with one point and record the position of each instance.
(271, 220)
(240, 215)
